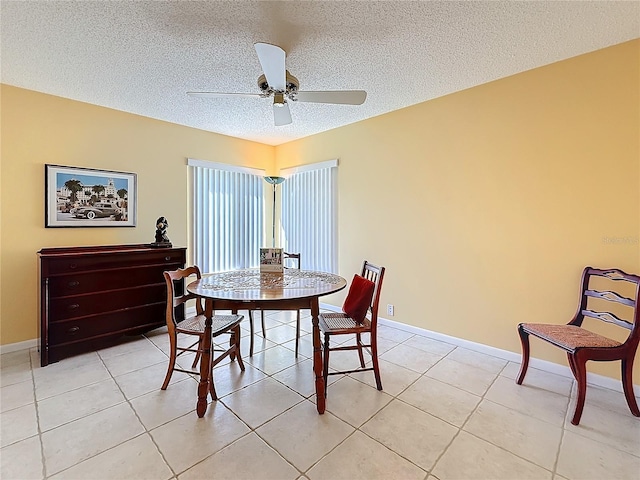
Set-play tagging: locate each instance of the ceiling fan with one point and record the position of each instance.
(278, 83)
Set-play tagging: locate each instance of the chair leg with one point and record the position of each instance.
(374, 360)
(359, 344)
(251, 335)
(325, 363)
(579, 368)
(297, 332)
(524, 340)
(172, 361)
(572, 366)
(232, 344)
(198, 354)
(627, 385)
(264, 329)
(236, 335)
(212, 387)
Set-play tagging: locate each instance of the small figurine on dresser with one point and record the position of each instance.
(161, 233)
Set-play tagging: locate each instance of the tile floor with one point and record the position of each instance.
(445, 413)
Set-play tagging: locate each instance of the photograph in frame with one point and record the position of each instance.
(271, 260)
(87, 197)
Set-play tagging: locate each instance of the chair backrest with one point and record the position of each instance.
(295, 257)
(376, 275)
(611, 301)
(176, 298)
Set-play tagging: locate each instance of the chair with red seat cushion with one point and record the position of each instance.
(583, 345)
(362, 303)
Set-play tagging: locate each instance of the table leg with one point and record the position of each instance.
(317, 356)
(205, 361)
(232, 339)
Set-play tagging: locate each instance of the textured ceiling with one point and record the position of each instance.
(142, 56)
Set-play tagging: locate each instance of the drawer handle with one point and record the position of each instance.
(73, 266)
(75, 283)
(167, 258)
(73, 330)
(73, 306)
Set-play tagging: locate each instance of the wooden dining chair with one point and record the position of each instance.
(360, 316)
(194, 326)
(610, 303)
(294, 259)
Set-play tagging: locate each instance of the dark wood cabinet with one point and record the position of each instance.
(91, 296)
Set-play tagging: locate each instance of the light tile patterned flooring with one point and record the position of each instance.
(445, 413)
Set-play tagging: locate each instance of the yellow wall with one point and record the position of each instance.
(484, 205)
(39, 129)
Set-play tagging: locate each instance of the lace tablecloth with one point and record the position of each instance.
(252, 279)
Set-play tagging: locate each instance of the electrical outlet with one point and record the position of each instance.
(390, 310)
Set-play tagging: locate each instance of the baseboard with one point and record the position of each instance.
(14, 347)
(545, 365)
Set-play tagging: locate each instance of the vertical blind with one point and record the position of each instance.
(228, 211)
(309, 214)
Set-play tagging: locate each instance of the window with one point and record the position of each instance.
(228, 211)
(309, 214)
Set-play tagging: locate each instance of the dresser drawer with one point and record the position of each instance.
(83, 263)
(98, 281)
(63, 308)
(108, 323)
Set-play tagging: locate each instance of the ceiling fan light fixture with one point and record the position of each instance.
(278, 100)
(277, 82)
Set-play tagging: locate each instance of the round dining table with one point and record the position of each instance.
(251, 289)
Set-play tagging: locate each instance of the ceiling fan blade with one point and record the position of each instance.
(272, 60)
(220, 94)
(343, 97)
(281, 115)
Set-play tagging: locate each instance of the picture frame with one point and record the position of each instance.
(271, 260)
(88, 197)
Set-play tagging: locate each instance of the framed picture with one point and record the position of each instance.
(86, 197)
(271, 260)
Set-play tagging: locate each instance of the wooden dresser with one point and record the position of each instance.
(92, 296)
